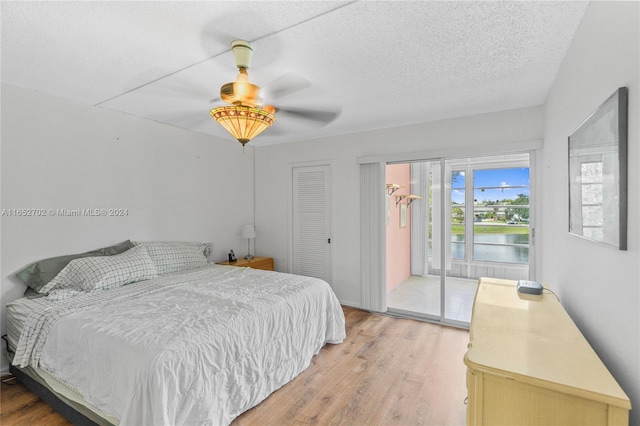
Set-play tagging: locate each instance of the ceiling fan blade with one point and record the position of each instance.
(172, 85)
(274, 130)
(284, 85)
(323, 116)
(185, 119)
(184, 90)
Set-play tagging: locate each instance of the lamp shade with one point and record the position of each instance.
(243, 123)
(248, 231)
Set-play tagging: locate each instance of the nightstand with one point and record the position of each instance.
(257, 262)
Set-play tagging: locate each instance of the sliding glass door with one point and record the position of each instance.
(472, 220)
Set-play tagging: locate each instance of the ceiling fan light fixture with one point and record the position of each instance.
(243, 122)
(241, 91)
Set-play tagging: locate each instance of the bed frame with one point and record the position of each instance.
(70, 410)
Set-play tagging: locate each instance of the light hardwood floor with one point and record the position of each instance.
(389, 371)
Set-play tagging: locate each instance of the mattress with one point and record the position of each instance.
(195, 347)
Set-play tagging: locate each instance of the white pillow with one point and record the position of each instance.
(172, 256)
(104, 272)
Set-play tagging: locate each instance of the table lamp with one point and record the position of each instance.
(248, 232)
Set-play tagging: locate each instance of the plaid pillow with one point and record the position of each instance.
(172, 256)
(104, 272)
(38, 274)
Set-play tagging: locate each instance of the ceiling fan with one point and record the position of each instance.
(247, 115)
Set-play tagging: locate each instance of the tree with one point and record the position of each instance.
(457, 215)
(518, 213)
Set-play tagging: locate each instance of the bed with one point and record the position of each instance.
(195, 345)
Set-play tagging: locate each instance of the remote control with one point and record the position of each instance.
(529, 287)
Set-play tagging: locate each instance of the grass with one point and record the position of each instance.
(492, 229)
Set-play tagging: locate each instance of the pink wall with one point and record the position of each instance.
(398, 239)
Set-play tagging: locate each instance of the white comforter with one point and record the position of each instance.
(194, 348)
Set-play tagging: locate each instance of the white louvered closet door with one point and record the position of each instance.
(311, 222)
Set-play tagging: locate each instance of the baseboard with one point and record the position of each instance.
(350, 304)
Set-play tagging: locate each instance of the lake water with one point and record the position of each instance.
(489, 252)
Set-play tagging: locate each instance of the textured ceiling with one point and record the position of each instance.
(381, 64)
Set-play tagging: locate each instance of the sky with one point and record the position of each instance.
(501, 179)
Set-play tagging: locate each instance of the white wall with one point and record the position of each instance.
(57, 154)
(598, 285)
(273, 182)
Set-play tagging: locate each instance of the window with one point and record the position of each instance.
(486, 206)
(501, 215)
(458, 214)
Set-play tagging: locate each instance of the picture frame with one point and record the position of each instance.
(403, 215)
(598, 174)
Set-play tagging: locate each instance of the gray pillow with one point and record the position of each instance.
(38, 274)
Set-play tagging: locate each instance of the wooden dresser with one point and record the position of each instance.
(528, 364)
(257, 262)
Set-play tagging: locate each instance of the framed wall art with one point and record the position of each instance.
(403, 215)
(598, 174)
